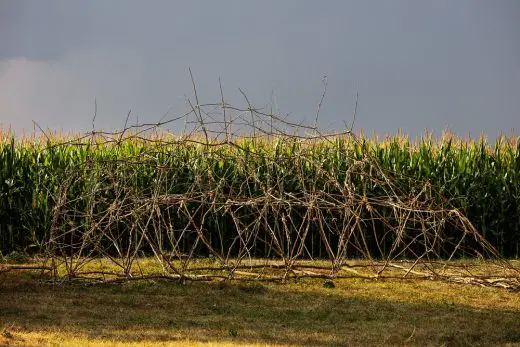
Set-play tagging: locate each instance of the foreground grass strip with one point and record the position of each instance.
(309, 312)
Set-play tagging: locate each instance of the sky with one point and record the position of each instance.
(415, 65)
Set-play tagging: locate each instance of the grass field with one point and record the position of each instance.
(308, 312)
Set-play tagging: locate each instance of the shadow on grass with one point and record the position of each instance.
(296, 314)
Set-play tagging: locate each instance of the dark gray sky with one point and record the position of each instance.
(416, 64)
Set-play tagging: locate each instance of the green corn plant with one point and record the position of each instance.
(480, 178)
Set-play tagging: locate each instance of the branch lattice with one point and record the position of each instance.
(244, 194)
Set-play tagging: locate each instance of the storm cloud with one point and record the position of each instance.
(416, 65)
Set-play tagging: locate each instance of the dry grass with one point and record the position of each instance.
(353, 312)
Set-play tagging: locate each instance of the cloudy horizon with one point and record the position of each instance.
(416, 65)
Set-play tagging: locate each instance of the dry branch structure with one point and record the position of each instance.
(279, 201)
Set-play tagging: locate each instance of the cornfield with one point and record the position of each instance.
(278, 192)
(481, 179)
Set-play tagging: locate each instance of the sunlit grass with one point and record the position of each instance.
(304, 312)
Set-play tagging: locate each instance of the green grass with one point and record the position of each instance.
(308, 312)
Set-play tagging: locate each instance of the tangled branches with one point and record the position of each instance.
(280, 201)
